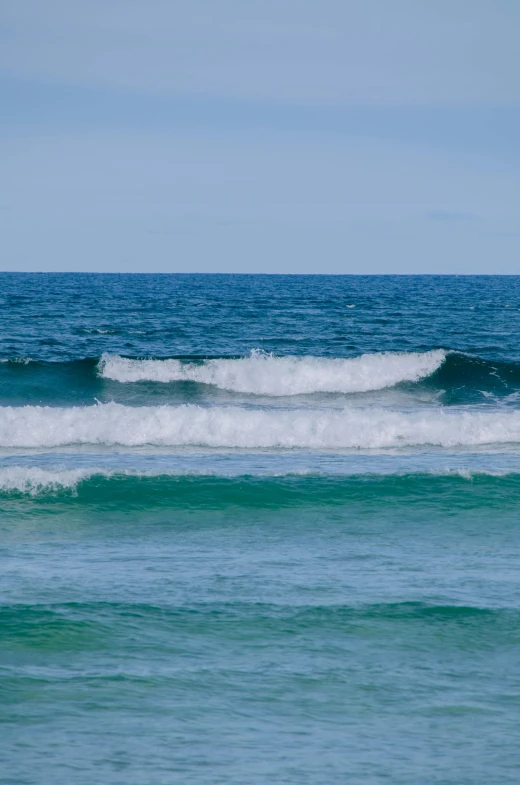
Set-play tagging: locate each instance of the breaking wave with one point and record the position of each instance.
(265, 374)
(125, 489)
(33, 480)
(188, 424)
(456, 378)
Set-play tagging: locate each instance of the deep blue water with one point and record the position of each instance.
(259, 529)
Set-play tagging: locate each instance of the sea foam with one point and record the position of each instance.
(115, 424)
(265, 374)
(33, 480)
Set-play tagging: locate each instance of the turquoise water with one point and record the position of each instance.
(259, 529)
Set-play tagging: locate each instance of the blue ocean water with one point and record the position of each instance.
(259, 529)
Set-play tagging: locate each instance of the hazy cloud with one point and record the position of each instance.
(333, 52)
(260, 136)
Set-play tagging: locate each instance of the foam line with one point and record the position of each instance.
(115, 424)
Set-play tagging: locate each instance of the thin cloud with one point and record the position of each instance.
(334, 53)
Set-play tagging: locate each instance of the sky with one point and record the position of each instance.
(260, 136)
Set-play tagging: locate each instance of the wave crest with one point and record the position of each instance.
(34, 481)
(123, 489)
(265, 374)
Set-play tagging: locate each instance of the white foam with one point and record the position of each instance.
(33, 480)
(264, 374)
(115, 424)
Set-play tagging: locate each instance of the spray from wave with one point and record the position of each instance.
(265, 374)
(33, 480)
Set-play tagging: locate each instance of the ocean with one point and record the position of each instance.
(259, 529)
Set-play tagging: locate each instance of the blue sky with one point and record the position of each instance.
(372, 136)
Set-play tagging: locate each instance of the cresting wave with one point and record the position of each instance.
(33, 480)
(265, 374)
(125, 489)
(459, 378)
(188, 424)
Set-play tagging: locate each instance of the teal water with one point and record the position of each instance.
(259, 529)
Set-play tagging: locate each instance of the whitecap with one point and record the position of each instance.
(265, 374)
(220, 426)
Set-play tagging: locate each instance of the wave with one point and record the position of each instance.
(54, 617)
(33, 480)
(125, 489)
(174, 426)
(454, 378)
(265, 374)
(70, 628)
